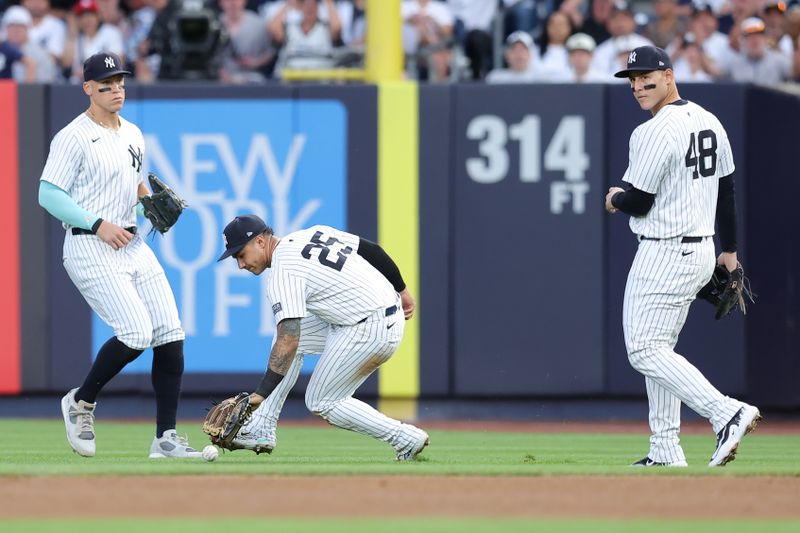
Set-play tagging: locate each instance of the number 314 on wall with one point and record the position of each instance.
(565, 153)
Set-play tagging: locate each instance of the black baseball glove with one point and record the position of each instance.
(225, 419)
(727, 290)
(163, 207)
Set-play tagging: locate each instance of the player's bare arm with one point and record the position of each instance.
(281, 357)
(286, 346)
(408, 303)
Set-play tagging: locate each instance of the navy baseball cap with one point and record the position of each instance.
(103, 65)
(239, 232)
(645, 59)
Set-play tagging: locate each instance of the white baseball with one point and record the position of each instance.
(210, 453)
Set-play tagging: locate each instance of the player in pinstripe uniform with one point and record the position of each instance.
(92, 181)
(680, 178)
(339, 295)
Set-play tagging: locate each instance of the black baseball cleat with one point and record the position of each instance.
(729, 437)
(649, 462)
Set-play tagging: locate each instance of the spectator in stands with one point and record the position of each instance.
(11, 56)
(525, 15)
(690, 63)
(88, 36)
(793, 30)
(251, 53)
(666, 26)
(37, 64)
(353, 17)
(757, 63)
(716, 45)
(46, 30)
(140, 18)
(521, 69)
(731, 20)
(110, 12)
(574, 10)
(427, 37)
(622, 27)
(553, 55)
(307, 42)
(581, 48)
(625, 44)
(596, 25)
(774, 17)
(473, 29)
(157, 42)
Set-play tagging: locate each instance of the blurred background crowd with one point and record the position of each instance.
(492, 41)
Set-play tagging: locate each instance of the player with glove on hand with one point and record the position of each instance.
(680, 177)
(91, 182)
(355, 328)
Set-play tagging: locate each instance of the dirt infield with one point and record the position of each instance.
(402, 496)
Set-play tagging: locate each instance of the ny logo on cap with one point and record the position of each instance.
(225, 240)
(632, 57)
(110, 62)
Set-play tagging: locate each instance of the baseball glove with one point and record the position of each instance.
(163, 207)
(225, 419)
(727, 290)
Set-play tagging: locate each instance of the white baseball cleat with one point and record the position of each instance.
(79, 422)
(728, 438)
(172, 446)
(649, 462)
(255, 444)
(421, 440)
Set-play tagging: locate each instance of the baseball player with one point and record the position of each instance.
(339, 295)
(92, 181)
(680, 177)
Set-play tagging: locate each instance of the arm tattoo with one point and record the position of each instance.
(285, 345)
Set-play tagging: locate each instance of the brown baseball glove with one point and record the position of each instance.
(225, 419)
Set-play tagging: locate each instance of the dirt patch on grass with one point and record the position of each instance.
(400, 496)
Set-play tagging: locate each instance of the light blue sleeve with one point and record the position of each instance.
(61, 205)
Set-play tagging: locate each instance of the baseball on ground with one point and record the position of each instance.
(210, 453)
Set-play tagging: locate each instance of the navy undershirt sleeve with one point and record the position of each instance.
(726, 214)
(634, 202)
(377, 257)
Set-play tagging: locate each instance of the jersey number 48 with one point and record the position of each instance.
(703, 157)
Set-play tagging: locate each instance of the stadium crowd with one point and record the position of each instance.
(496, 41)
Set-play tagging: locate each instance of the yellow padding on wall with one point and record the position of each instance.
(398, 223)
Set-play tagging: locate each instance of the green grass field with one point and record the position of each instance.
(123, 448)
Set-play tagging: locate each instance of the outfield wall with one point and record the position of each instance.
(520, 271)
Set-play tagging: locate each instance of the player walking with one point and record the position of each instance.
(91, 182)
(336, 294)
(680, 173)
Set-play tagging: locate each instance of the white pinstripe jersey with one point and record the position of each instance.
(318, 270)
(100, 169)
(679, 155)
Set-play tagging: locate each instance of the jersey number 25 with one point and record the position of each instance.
(324, 250)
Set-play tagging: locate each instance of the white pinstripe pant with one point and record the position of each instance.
(662, 284)
(127, 288)
(350, 354)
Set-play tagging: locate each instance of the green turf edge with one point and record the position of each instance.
(391, 525)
